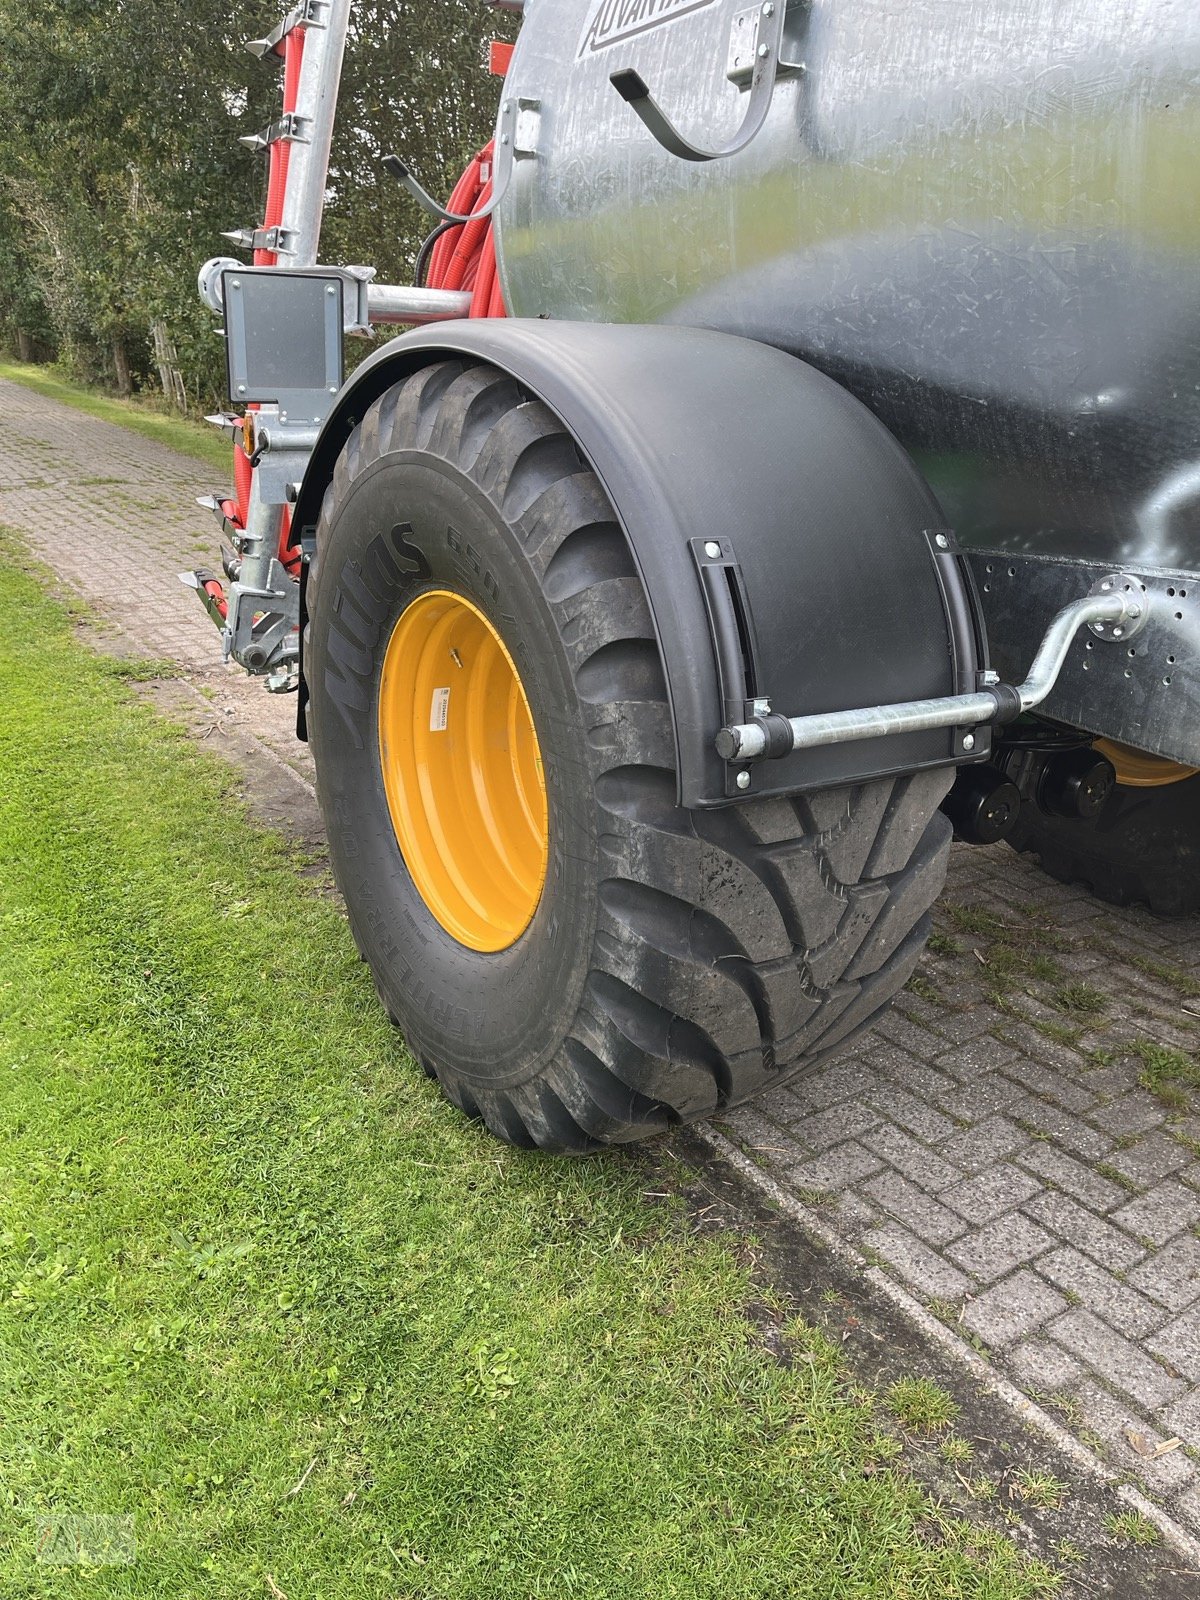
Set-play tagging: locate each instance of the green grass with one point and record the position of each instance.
(1038, 1489)
(1080, 999)
(956, 1448)
(1131, 1528)
(196, 439)
(1009, 954)
(264, 1292)
(921, 1405)
(1167, 1072)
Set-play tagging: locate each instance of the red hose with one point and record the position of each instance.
(281, 150)
(243, 476)
(465, 257)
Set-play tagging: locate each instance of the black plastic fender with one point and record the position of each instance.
(790, 550)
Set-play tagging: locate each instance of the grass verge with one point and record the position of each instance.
(262, 1291)
(179, 433)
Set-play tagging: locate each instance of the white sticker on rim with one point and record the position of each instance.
(439, 711)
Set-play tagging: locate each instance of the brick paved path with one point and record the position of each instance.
(115, 516)
(1017, 1141)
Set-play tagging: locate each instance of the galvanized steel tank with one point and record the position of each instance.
(981, 216)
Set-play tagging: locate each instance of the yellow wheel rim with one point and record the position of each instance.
(1137, 770)
(462, 770)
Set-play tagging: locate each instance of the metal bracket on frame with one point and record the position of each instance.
(261, 628)
(731, 629)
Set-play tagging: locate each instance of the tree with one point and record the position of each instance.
(120, 166)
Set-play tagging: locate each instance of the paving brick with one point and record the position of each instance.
(910, 1113)
(920, 1078)
(914, 1208)
(837, 1168)
(969, 1022)
(1083, 1335)
(1042, 1368)
(1185, 1508)
(1073, 1177)
(1079, 1137)
(1010, 1310)
(913, 1159)
(980, 1055)
(757, 1134)
(1059, 1214)
(1042, 1081)
(917, 1263)
(1182, 1418)
(1079, 962)
(1135, 1112)
(1161, 1214)
(1171, 1275)
(1114, 1423)
(1154, 1156)
(1041, 1052)
(853, 1215)
(917, 1009)
(989, 1141)
(981, 1097)
(1121, 1307)
(844, 1080)
(820, 1129)
(901, 1031)
(1115, 1080)
(1179, 1344)
(999, 1246)
(999, 1189)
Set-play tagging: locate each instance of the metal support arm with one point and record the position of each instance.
(1116, 610)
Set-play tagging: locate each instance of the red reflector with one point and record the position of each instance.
(502, 55)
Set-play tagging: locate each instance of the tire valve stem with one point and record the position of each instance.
(456, 658)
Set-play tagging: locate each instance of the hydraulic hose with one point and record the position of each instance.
(464, 257)
(292, 48)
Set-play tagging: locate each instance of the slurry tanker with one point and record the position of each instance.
(792, 460)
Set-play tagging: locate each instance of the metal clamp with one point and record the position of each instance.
(1116, 609)
(216, 504)
(756, 60)
(301, 16)
(274, 239)
(290, 128)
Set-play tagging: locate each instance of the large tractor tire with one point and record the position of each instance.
(1142, 847)
(576, 959)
